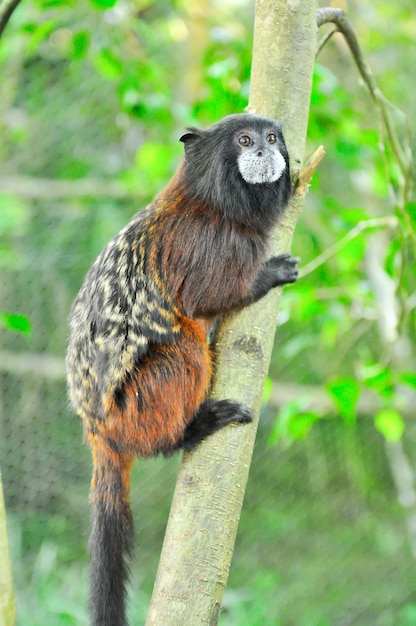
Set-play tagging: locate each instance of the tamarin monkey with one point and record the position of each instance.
(139, 364)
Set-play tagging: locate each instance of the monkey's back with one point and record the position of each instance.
(122, 309)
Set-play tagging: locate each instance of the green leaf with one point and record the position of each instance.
(108, 64)
(392, 261)
(15, 322)
(39, 34)
(390, 424)
(379, 378)
(293, 421)
(408, 378)
(80, 44)
(411, 211)
(301, 424)
(104, 4)
(345, 393)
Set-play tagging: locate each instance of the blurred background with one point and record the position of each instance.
(93, 97)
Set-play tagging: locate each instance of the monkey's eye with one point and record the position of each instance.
(271, 138)
(245, 141)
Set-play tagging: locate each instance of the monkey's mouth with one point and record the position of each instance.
(257, 170)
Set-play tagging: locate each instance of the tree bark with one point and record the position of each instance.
(7, 598)
(202, 526)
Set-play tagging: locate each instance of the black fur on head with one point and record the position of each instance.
(213, 166)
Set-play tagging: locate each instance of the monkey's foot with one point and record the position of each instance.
(211, 416)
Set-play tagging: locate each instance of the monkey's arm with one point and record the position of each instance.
(278, 270)
(214, 294)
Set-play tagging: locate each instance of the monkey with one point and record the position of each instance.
(139, 364)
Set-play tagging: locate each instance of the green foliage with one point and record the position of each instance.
(16, 322)
(293, 421)
(104, 4)
(379, 378)
(390, 424)
(345, 393)
(101, 90)
(339, 303)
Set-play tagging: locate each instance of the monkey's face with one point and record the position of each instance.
(245, 145)
(239, 167)
(259, 158)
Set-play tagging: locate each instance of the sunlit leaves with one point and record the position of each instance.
(38, 33)
(108, 64)
(293, 421)
(80, 44)
(379, 378)
(104, 4)
(345, 393)
(389, 423)
(15, 322)
(411, 212)
(408, 378)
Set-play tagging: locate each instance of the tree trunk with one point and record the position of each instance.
(202, 526)
(7, 599)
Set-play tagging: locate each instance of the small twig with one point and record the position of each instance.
(325, 40)
(308, 170)
(6, 9)
(344, 26)
(389, 221)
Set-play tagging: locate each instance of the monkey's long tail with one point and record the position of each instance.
(111, 539)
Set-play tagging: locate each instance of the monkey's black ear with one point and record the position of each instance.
(192, 135)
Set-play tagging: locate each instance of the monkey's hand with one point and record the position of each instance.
(282, 269)
(279, 270)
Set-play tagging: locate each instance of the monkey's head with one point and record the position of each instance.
(239, 167)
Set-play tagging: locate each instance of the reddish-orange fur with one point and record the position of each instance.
(183, 371)
(106, 463)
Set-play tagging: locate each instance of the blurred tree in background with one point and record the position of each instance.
(93, 96)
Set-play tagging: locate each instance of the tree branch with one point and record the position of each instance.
(48, 189)
(343, 25)
(32, 363)
(308, 171)
(6, 10)
(389, 221)
(317, 400)
(325, 39)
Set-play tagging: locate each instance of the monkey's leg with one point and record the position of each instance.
(211, 416)
(162, 394)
